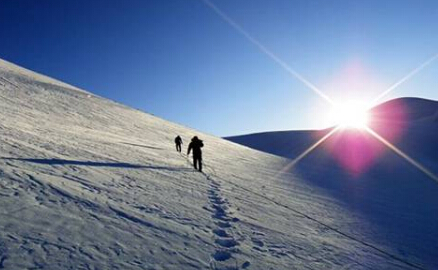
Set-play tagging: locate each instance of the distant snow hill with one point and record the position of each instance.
(412, 121)
(87, 183)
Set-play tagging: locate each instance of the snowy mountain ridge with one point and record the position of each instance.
(406, 109)
(413, 119)
(10, 68)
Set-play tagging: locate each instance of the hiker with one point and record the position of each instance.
(196, 144)
(178, 143)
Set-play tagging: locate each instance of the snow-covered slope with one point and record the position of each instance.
(86, 183)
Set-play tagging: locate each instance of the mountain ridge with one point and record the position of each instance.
(405, 115)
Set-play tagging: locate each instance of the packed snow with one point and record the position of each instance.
(87, 183)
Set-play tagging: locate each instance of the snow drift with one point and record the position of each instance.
(87, 183)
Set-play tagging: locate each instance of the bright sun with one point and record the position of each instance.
(351, 114)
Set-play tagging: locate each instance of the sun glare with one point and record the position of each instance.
(351, 114)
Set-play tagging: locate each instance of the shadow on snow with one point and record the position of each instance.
(55, 161)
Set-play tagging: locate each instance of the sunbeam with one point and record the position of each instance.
(403, 155)
(405, 78)
(312, 87)
(266, 51)
(307, 151)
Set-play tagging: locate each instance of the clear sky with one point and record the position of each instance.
(180, 60)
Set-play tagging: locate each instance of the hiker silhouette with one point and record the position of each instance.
(178, 143)
(196, 144)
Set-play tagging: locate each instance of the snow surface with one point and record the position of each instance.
(399, 200)
(87, 183)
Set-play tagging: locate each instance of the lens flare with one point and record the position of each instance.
(307, 151)
(350, 114)
(266, 51)
(405, 78)
(402, 154)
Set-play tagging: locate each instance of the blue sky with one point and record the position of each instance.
(181, 61)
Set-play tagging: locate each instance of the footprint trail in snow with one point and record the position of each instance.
(225, 236)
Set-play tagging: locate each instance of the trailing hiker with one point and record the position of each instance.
(178, 143)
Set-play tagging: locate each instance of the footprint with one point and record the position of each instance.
(213, 198)
(217, 200)
(218, 209)
(220, 232)
(246, 264)
(214, 188)
(222, 255)
(220, 214)
(226, 242)
(223, 224)
(213, 192)
(214, 183)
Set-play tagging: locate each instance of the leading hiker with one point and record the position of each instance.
(196, 144)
